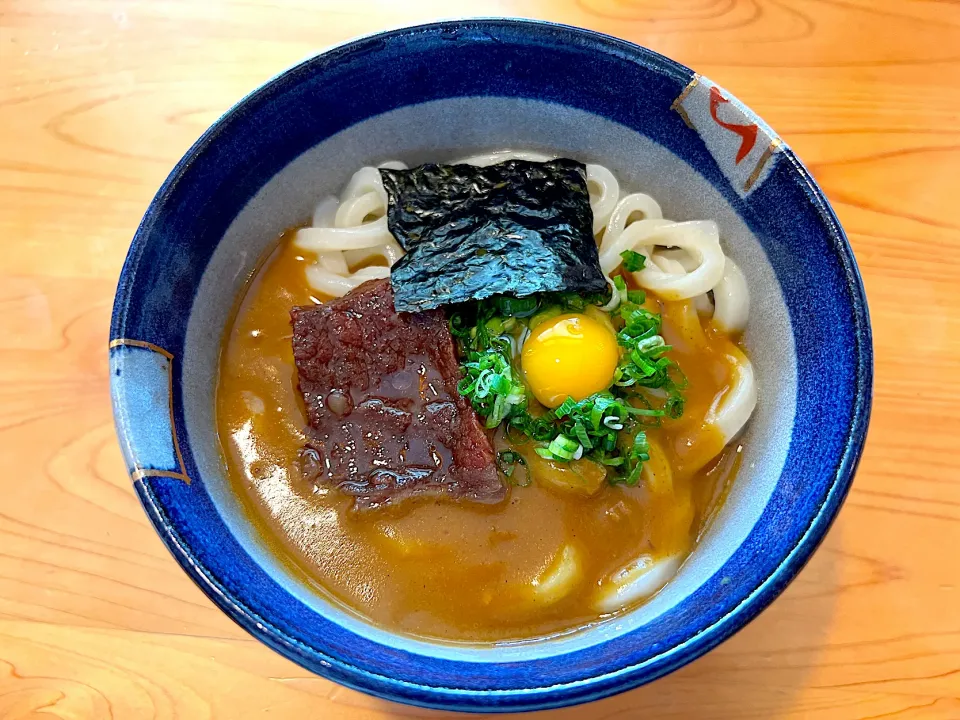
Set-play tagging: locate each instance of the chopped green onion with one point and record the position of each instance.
(581, 432)
(632, 261)
(674, 406)
(565, 407)
(562, 448)
(507, 460)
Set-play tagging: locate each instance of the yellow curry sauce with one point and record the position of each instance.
(455, 570)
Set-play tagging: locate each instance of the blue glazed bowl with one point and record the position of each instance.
(426, 93)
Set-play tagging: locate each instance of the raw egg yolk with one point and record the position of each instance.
(569, 355)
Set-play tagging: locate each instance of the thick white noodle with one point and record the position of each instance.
(641, 578)
(320, 240)
(624, 210)
(324, 215)
(341, 240)
(355, 210)
(677, 262)
(336, 285)
(730, 308)
(366, 179)
(559, 578)
(656, 472)
(667, 263)
(389, 251)
(604, 194)
(610, 258)
(334, 261)
(731, 410)
(698, 237)
(732, 299)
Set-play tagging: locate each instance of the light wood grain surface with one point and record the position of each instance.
(99, 98)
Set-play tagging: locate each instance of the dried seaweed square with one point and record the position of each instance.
(516, 228)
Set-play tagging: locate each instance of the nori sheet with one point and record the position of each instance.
(515, 228)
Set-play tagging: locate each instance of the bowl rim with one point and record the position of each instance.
(594, 687)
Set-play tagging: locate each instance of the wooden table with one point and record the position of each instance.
(99, 98)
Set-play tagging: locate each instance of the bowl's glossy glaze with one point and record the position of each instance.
(425, 93)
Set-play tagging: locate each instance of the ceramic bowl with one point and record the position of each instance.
(432, 92)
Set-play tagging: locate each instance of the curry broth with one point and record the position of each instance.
(435, 568)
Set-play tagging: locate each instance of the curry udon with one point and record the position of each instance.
(578, 445)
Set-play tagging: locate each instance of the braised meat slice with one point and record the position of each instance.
(380, 389)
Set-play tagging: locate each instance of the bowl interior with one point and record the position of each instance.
(429, 93)
(466, 124)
